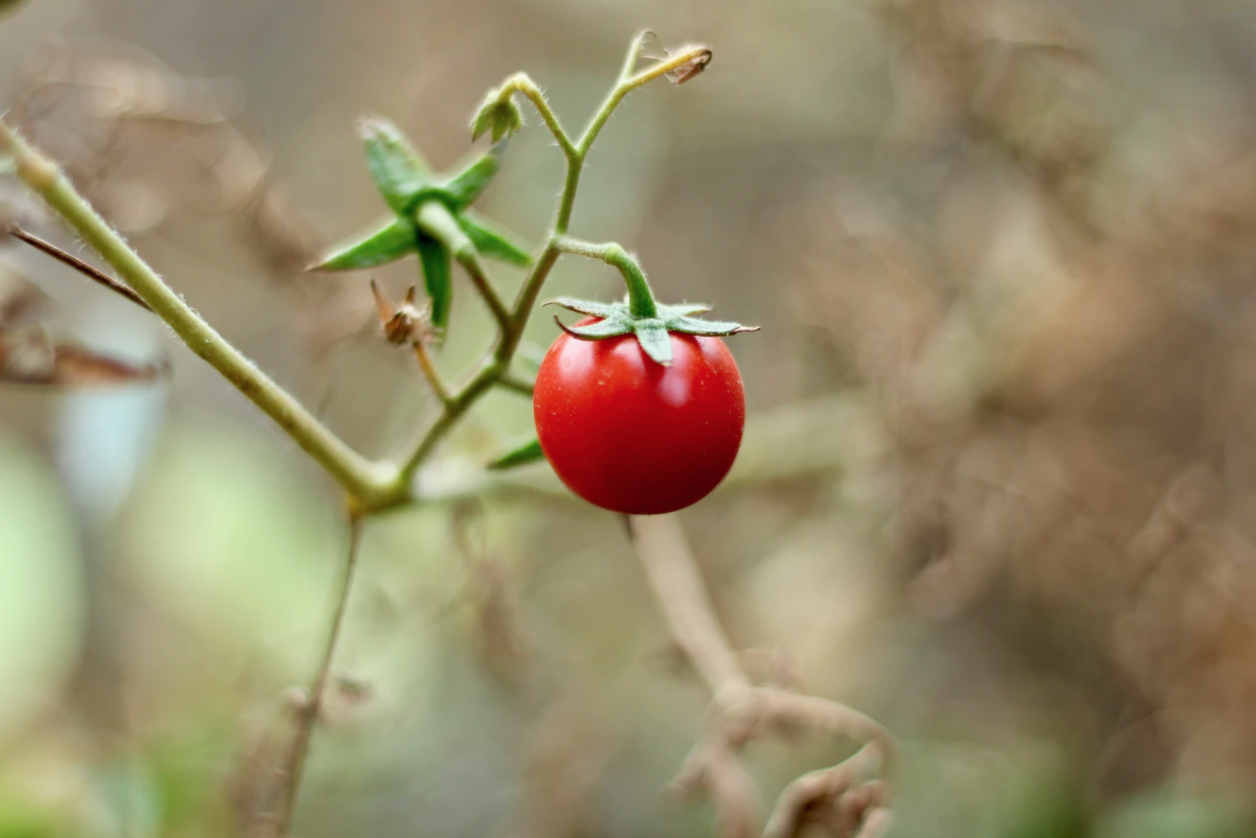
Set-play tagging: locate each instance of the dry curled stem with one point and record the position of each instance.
(836, 801)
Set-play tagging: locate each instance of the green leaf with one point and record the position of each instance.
(491, 242)
(500, 117)
(465, 187)
(391, 240)
(436, 279)
(655, 341)
(529, 452)
(8, 165)
(589, 307)
(397, 168)
(711, 328)
(599, 330)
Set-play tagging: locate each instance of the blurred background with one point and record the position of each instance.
(999, 483)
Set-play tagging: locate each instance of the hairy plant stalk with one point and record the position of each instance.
(370, 484)
(308, 713)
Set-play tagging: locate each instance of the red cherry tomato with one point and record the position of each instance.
(630, 435)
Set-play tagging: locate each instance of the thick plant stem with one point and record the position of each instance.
(310, 710)
(370, 484)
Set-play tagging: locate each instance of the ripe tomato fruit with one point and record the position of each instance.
(630, 435)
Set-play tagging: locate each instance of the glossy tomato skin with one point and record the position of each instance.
(632, 436)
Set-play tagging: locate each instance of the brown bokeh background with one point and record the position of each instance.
(998, 491)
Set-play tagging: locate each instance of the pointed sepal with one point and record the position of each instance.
(711, 328)
(402, 324)
(655, 340)
(601, 330)
(389, 241)
(492, 242)
(498, 116)
(588, 307)
(437, 279)
(464, 188)
(652, 333)
(399, 171)
(525, 454)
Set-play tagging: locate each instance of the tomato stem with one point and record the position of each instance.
(640, 298)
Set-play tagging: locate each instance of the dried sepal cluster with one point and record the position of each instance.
(405, 323)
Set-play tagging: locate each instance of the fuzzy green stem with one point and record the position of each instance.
(435, 219)
(640, 297)
(370, 484)
(522, 83)
(628, 82)
(634, 52)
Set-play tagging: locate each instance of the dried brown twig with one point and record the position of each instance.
(90, 271)
(310, 710)
(835, 800)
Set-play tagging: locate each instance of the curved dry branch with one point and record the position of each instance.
(838, 800)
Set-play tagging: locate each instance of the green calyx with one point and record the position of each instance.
(615, 319)
(498, 116)
(430, 216)
(639, 314)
